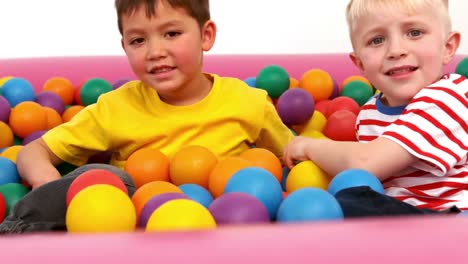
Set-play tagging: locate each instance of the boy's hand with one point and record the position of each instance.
(296, 150)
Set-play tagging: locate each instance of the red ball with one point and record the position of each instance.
(2, 207)
(92, 177)
(341, 126)
(322, 106)
(343, 103)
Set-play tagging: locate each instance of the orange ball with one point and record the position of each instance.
(53, 118)
(223, 171)
(147, 191)
(293, 82)
(61, 86)
(147, 165)
(70, 112)
(264, 159)
(317, 83)
(355, 78)
(27, 117)
(192, 164)
(6, 135)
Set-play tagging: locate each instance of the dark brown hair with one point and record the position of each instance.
(198, 9)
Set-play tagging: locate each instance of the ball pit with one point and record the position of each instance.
(233, 243)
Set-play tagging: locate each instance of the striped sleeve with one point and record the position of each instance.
(434, 125)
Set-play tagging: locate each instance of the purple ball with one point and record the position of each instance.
(152, 204)
(119, 83)
(52, 100)
(295, 106)
(33, 136)
(5, 109)
(238, 208)
(336, 90)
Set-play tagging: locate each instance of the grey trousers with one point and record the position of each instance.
(44, 208)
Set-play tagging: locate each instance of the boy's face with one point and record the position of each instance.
(401, 53)
(166, 51)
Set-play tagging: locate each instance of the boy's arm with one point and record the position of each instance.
(36, 163)
(381, 157)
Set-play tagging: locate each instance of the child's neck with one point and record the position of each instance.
(193, 92)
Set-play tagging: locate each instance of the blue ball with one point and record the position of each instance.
(8, 171)
(251, 81)
(259, 183)
(283, 179)
(354, 178)
(17, 90)
(309, 205)
(197, 193)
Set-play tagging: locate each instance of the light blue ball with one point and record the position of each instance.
(309, 205)
(8, 171)
(251, 81)
(283, 179)
(354, 178)
(259, 183)
(197, 193)
(17, 90)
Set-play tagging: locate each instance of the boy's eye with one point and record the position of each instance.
(137, 41)
(172, 34)
(415, 33)
(377, 41)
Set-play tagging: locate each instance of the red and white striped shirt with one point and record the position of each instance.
(434, 128)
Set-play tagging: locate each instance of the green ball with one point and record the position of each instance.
(274, 80)
(359, 91)
(462, 67)
(64, 168)
(12, 192)
(17, 141)
(92, 89)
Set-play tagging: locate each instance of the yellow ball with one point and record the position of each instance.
(11, 152)
(314, 134)
(316, 122)
(101, 208)
(4, 80)
(180, 214)
(306, 174)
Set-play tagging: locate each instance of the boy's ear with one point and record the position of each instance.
(122, 43)
(451, 46)
(356, 61)
(208, 34)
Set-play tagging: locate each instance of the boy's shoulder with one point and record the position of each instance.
(234, 85)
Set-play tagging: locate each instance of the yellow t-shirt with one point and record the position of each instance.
(231, 118)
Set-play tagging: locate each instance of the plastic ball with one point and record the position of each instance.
(2, 208)
(64, 168)
(293, 83)
(154, 203)
(92, 177)
(192, 164)
(317, 83)
(8, 171)
(147, 165)
(251, 81)
(462, 67)
(317, 122)
(358, 91)
(4, 109)
(354, 178)
(33, 136)
(197, 193)
(180, 215)
(147, 191)
(355, 78)
(323, 105)
(274, 79)
(306, 174)
(120, 82)
(341, 126)
(6, 135)
(265, 159)
(17, 90)
(53, 118)
(70, 112)
(52, 100)
(26, 118)
(12, 193)
(92, 89)
(62, 87)
(309, 205)
(100, 208)
(285, 177)
(259, 183)
(342, 103)
(223, 171)
(11, 152)
(336, 90)
(295, 106)
(238, 208)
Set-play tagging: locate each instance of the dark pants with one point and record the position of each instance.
(44, 208)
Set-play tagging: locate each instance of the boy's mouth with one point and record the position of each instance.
(400, 70)
(160, 69)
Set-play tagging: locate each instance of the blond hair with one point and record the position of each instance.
(358, 8)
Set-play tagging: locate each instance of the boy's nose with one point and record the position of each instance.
(155, 51)
(397, 49)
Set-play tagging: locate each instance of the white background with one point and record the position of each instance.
(44, 28)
